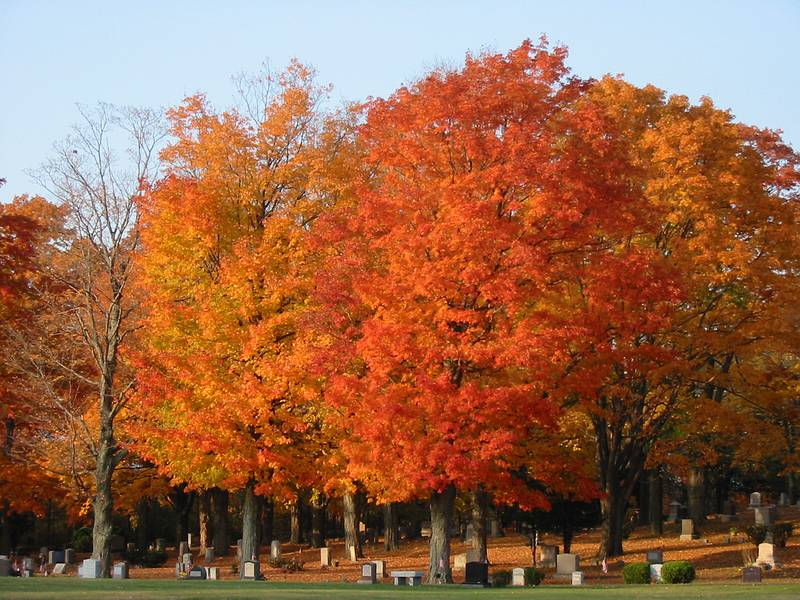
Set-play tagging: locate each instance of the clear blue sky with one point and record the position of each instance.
(57, 53)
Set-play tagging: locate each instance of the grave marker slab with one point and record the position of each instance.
(251, 569)
(380, 568)
(766, 556)
(459, 562)
(325, 557)
(90, 569)
(518, 577)
(687, 530)
(655, 572)
(368, 574)
(751, 575)
(212, 573)
(655, 556)
(275, 551)
(755, 499)
(567, 564)
(547, 555)
(60, 568)
(119, 570)
(69, 556)
(763, 515)
(476, 573)
(55, 556)
(577, 578)
(197, 573)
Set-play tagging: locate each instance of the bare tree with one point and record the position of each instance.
(98, 172)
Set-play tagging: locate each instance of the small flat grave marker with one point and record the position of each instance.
(577, 578)
(751, 575)
(197, 573)
(368, 576)
(60, 569)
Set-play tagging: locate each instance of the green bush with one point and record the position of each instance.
(756, 534)
(501, 578)
(678, 571)
(533, 576)
(636, 573)
(781, 533)
(82, 540)
(146, 558)
(288, 564)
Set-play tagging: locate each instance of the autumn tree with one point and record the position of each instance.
(97, 173)
(227, 274)
(444, 275)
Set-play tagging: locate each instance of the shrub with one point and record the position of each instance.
(82, 540)
(781, 533)
(501, 578)
(756, 534)
(533, 576)
(678, 571)
(636, 573)
(146, 558)
(288, 564)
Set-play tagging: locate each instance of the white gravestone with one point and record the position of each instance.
(687, 530)
(518, 577)
(120, 570)
(90, 569)
(251, 569)
(655, 573)
(275, 550)
(325, 557)
(212, 573)
(577, 578)
(766, 556)
(60, 569)
(380, 568)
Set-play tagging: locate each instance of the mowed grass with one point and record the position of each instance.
(132, 589)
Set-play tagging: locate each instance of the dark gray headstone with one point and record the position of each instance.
(751, 575)
(476, 573)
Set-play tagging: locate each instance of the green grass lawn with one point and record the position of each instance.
(42, 588)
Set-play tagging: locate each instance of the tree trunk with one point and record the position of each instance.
(104, 500)
(143, 523)
(696, 488)
(441, 504)
(182, 503)
(5, 530)
(391, 535)
(219, 505)
(791, 487)
(318, 520)
(656, 503)
(614, 506)
(479, 512)
(267, 521)
(204, 517)
(351, 539)
(249, 524)
(296, 533)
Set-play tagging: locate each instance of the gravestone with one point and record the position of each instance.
(209, 555)
(368, 574)
(251, 569)
(119, 570)
(325, 557)
(566, 565)
(547, 555)
(655, 572)
(275, 552)
(687, 530)
(380, 568)
(90, 569)
(577, 578)
(674, 511)
(183, 548)
(766, 556)
(28, 567)
(189, 539)
(197, 573)
(212, 573)
(161, 544)
(459, 562)
(495, 528)
(476, 573)
(55, 556)
(60, 568)
(518, 577)
(5, 566)
(751, 575)
(69, 556)
(763, 515)
(186, 559)
(425, 529)
(783, 499)
(655, 556)
(755, 499)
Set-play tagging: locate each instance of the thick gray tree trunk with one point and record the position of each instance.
(696, 492)
(351, 539)
(391, 534)
(441, 504)
(479, 512)
(249, 524)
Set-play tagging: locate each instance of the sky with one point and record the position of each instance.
(56, 54)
